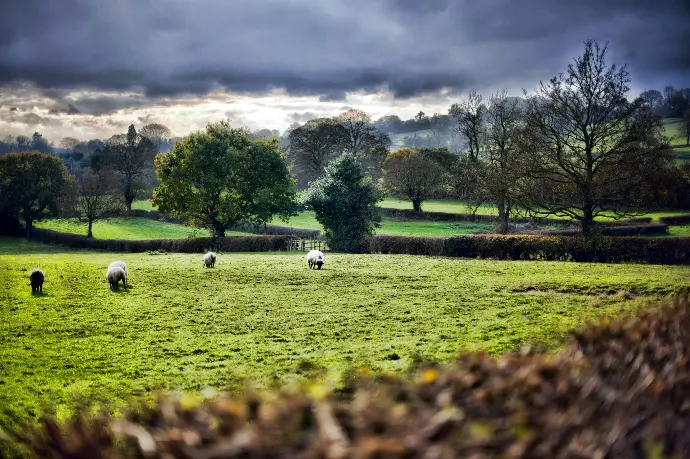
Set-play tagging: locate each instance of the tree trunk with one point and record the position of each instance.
(90, 233)
(587, 221)
(502, 215)
(29, 227)
(417, 205)
(218, 229)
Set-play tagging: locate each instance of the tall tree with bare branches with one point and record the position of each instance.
(589, 151)
(470, 117)
(504, 121)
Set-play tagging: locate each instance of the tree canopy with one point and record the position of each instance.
(589, 151)
(33, 186)
(219, 176)
(344, 201)
(413, 175)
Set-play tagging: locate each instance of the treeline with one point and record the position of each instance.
(577, 148)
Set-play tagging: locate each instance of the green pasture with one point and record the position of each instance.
(268, 318)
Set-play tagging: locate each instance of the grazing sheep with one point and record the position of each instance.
(36, 279)
(210, 259)
(119, 264)
(315, 258)
(114, 276)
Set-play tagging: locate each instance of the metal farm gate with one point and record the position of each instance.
(305, 245)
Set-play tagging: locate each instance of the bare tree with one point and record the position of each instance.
(131, 157)
(470, 116)
(504, 121)
(95, 198)
(589, 151)
(69, 142)
(363, 137)
(158, 134)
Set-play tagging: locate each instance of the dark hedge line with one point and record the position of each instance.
(188, 245)
(409, 214)
(619, 389)
(527, 247)
(302, 233)
(675, 219)
(618, 230)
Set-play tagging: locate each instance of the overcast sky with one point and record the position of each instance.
(88, 68)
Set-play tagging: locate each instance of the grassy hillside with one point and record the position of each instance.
(267, 317)
(127, 228)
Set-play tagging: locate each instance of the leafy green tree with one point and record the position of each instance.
(409, 174)
(219, 176)
(34, 186)
(344, 201)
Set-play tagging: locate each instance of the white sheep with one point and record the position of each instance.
(114, 275)
(210, 259)
(315, 258)
(36, 279)
(119, 264)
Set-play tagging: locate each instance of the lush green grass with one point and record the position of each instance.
(142, 205)
(399, 228)
(448, 206)
(269, 318)
(127, 228)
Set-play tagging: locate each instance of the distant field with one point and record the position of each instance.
(183, 327)
(399, 228)
(143, 204)
(439, 205)
(126, 228)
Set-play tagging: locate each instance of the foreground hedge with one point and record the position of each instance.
(188, 245)
(526, 247)
(618, 390)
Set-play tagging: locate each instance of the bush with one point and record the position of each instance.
(188, 245)
(621, 229)
(618, 390)
(529, 247)
(675, 219)
(302, 233)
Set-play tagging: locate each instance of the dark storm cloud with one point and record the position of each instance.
(325, 48)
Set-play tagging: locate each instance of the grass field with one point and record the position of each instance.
(267, 317)
(126, 228)
(399, 228)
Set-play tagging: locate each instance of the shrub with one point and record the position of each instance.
(621, 229)
(619, 389)
(530, 247)
(675, 219)
(344, 201)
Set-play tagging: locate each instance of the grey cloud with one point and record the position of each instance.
(301, 117)
(325, 48)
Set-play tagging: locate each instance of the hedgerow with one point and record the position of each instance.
(619, 389)
(188, 245)
(531, 247)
